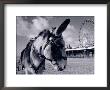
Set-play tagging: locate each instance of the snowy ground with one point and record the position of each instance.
(74, 66)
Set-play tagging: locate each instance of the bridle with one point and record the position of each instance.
(41, 56)
(53, 41)
(50, 41)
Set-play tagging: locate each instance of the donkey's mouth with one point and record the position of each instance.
(60, 69)
(57, 68)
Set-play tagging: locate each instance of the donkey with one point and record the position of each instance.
(48, 45)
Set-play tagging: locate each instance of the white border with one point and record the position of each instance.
(96, 80)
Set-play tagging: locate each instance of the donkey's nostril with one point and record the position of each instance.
(60, 69)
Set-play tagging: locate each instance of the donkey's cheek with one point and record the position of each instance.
(47, 52)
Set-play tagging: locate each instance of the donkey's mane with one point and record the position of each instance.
(44, 33)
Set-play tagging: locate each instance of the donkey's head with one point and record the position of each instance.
(47, 45)
(54, 48)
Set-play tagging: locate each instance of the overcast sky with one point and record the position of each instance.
(29, 26)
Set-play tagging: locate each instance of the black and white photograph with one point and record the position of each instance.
(55, 45)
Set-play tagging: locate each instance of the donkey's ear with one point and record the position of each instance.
(62, 27)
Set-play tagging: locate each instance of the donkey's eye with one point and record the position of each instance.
(50, 38)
